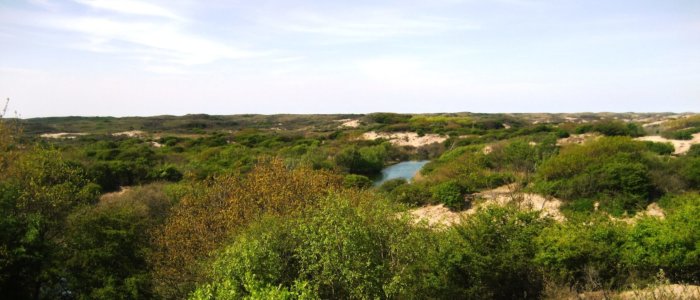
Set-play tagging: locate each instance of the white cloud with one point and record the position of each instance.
(368, 25)
(169, 41)
(131, 7)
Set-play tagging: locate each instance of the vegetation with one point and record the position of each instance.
(283, 207)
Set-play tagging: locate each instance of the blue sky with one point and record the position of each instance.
(137, 57)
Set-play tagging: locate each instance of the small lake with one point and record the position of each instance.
(406, 170)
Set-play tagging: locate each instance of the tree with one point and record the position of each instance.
(37, 191)
(215, 210)
(107, 245)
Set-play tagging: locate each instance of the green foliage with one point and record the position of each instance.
(672, 244)
(365, 160)
(660, 148)
(611, 169)
(390, 185)
(412, 194)
(497, 248)
(348, 248)
(357, 181)
(212, 211)
(107, 245)
(574, 251)
(612, 128)
(38, 191)
(690, 171)
(448, 193)
(388, 118)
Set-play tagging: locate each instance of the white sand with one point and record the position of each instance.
(62, 135)
(349, 123)
(132, 133)
(682, 146)
(440, 216)
(405, 138)
(577, 139)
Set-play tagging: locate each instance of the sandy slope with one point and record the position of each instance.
(349, 123)
(405, 138)
(682, 146)
(439, 215)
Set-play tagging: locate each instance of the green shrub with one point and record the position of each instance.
(660, 148)
(412, 194)
(672, 244)
(448, 193)
(694, 151)
(338, 251)
(496, 247)
(389, 185)
(612, 169)
(357, 181)
(583, 254)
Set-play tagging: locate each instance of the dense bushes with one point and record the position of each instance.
(347, 249)
(107, 245)
(212, 211)
(613, 170)
(612, 128)
(364, 160)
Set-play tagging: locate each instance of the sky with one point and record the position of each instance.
(176, 57)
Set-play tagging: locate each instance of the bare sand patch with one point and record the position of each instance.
(652, 210)
(436, 215)
(132, 133)
(349, 123)
(682, 146)
(440, 216)
(62, 135)
(577, 139)
(107, 197)
(666, 291)
(405, 138)
(547, 206)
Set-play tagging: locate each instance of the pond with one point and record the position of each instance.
(406, 170)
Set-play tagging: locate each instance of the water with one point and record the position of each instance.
(406, 169)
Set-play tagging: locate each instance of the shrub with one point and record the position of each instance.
(660, 148)
(390, 185)
(348, 248)
(573, 252)
(613, 169)
(357, 181)
(448, 193)
(213, 210)
(411, 194)
(495, 248)
(672, 244)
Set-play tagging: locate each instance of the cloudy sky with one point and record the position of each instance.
(138, 57)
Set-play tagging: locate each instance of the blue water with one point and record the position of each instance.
(406, 169)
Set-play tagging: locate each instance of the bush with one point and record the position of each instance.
(660, 148)
(583, 254)
(612, 169)
(390, 185)
(694, 151)
(213, 210)
(413, 194)
(497, 248)
(357, 181)
(448, 193)
(346, 249)
(672, 244)
(366, 160)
